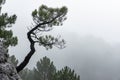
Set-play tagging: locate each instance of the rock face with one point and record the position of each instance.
(7, 69)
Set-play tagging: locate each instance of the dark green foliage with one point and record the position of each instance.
(46, 14)
(44, 70)
(6, 35)
(66, 74)
(7, 21)
(48, 41)
(45, 18)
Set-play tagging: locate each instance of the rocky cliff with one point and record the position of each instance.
(7, 69)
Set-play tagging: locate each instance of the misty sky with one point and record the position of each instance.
(92, 32)
(85, 17)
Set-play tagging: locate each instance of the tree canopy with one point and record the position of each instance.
(6, 21)
(66, 74)
(46, 70)
(44, 19)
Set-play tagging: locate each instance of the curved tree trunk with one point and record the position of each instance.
(29, 55)
(32, 45)
(56, 17)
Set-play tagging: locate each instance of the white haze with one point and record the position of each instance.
(92, 32)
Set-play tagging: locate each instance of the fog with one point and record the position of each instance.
(91, 57)
(94, 59)
(92, 33)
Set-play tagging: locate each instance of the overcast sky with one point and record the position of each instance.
(92, 26)
(100, 18)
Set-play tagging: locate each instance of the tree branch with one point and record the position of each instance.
(32, 44)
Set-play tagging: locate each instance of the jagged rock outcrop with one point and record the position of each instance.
(7, 69)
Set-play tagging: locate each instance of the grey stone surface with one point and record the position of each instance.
(7, 69)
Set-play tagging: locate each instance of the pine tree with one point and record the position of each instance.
(44, 19)
(44, 70)
(66, 74)
(6, 21)
(7, 70)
